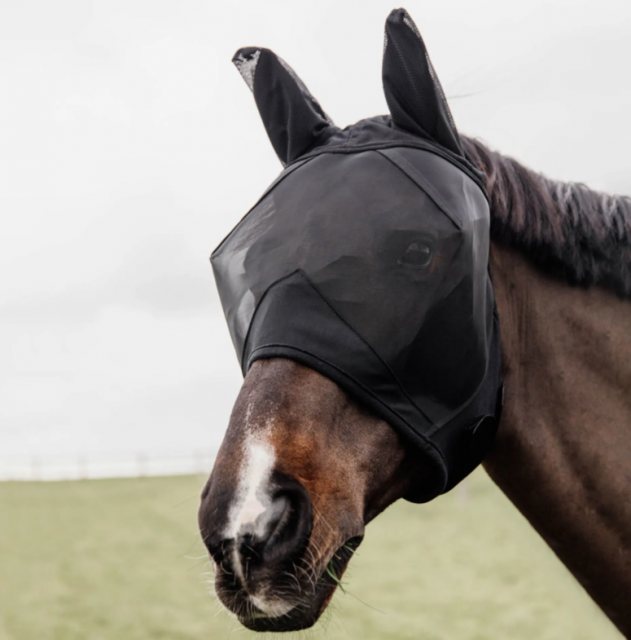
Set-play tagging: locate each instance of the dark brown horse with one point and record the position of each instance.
(303, 467)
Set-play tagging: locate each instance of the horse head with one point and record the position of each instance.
(358, 299)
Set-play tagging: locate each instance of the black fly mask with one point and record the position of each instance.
(367, 258)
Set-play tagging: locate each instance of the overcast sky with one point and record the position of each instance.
(129, 146)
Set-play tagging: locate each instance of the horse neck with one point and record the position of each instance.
(564, 443)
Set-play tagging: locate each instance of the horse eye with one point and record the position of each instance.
(417, 255)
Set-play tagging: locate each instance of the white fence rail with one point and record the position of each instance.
(84, 466)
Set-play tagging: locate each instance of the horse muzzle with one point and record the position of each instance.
(268, 571)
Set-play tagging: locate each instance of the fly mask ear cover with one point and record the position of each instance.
(366, 260)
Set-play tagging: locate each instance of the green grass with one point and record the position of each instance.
(121, 560)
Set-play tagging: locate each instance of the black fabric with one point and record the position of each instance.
(367, 261)
(294, 120)
(371, 266)
(413, 92)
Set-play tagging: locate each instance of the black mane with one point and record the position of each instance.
(581, 235)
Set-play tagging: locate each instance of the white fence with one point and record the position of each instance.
(83, 466)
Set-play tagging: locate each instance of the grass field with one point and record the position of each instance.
(121, 560)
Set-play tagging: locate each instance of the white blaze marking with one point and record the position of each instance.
(252, 499)
(253, 509)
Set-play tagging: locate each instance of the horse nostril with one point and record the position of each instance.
(290, 528)
(277, 534)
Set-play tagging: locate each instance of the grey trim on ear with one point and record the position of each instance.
(294, 120)
(247, 66)
(413, 92)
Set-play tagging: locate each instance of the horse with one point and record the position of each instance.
(305, 465)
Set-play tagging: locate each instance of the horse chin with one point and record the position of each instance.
(301, 611)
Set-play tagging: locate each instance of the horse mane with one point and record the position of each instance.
(566, 228)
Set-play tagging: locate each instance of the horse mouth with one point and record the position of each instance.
(309, 603)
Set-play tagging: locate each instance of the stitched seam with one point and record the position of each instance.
(409, 172)
(359, 336)
(256, 308)
(464, 165)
